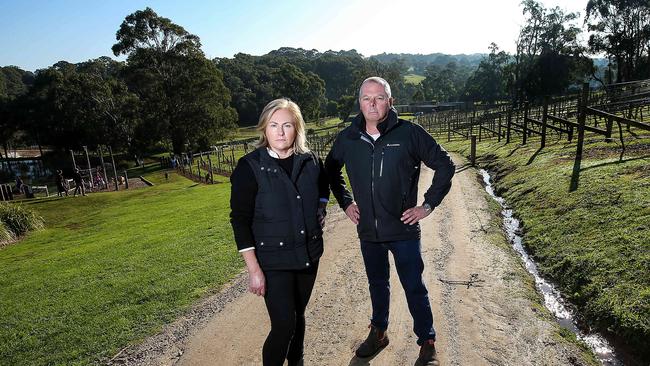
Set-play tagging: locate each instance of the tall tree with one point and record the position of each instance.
(184, 98)
(549, 55)
(621, 30)
(489, 82)
(444, 84)
(67, 108)
(14, 83)
(256, 80)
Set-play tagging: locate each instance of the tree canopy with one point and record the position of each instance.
(184, 99)
(621, 30)
(168, 95)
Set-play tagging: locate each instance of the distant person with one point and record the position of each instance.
(382, 155)
(60, 183)
(278, 199)
(99, 180)
(78, 181)
(19, 184)
(29, 193)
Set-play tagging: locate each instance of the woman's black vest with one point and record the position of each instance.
(285, 223)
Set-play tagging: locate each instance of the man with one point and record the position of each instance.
(382, 156)
(78, 181)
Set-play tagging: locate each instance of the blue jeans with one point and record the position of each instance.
(408, 261)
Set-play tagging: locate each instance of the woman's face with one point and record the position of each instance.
(280, 132)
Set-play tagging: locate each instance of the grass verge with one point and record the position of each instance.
(111, 268)
(592, 241)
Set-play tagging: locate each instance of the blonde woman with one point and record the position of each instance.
(278, 199)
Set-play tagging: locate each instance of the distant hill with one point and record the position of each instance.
(417, 63)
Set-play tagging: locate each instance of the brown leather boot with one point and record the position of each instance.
(375, 342)
(428, 355)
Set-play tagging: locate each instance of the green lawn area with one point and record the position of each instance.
(413, 79)
(111, 268)
(592, 241)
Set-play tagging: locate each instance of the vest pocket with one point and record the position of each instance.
(271, 252)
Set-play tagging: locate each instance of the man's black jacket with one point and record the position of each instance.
(384, 175)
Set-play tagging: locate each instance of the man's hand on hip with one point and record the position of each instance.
(353, 213)
(414, 214)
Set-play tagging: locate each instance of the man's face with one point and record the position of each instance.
(374, 102)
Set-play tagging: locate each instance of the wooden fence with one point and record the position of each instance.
(592, 111)
(222, 159)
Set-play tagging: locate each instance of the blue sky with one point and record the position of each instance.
(36, 34)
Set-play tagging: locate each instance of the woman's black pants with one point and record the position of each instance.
(287, 295)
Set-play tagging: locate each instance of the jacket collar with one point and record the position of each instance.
(298, 160)
(359, 122)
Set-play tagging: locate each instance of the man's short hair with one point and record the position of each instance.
(378, 80)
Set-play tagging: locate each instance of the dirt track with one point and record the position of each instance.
(498, 323)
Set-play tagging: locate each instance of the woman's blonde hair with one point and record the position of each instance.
(300, 143)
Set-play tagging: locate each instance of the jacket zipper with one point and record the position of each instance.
(381, 164)
(372, 181)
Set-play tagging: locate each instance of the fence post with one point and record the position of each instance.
(499, 128)
(211, 172)
(582, 116)
(525, 124)
(101, 158)
(74, 163)
(198, 168)
(545, 113)
(110, 151)
(473, 150)
(608, 135)
(509, 125)
(126, 180)
(448, 129)
(90, 169)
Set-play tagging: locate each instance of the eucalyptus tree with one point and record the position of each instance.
(621, 30)
(71, 105)
(489, 82)
(184, 99)
(549, 56)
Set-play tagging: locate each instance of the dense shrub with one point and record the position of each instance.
(18, 220)
(5, 234)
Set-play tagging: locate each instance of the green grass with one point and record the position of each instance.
(526, 287)
(592, 241)
(111, 268)
(413, 79)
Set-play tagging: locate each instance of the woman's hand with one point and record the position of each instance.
(321, 213)
(256, 279)
(257, 282)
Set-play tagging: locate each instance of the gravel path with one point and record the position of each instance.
(496, 321)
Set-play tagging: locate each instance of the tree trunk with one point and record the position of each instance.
(178, 141)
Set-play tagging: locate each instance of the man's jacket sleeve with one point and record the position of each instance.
(436, 158)
(333, 167)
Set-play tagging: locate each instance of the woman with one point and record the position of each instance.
(278, 199)
(60, 183)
